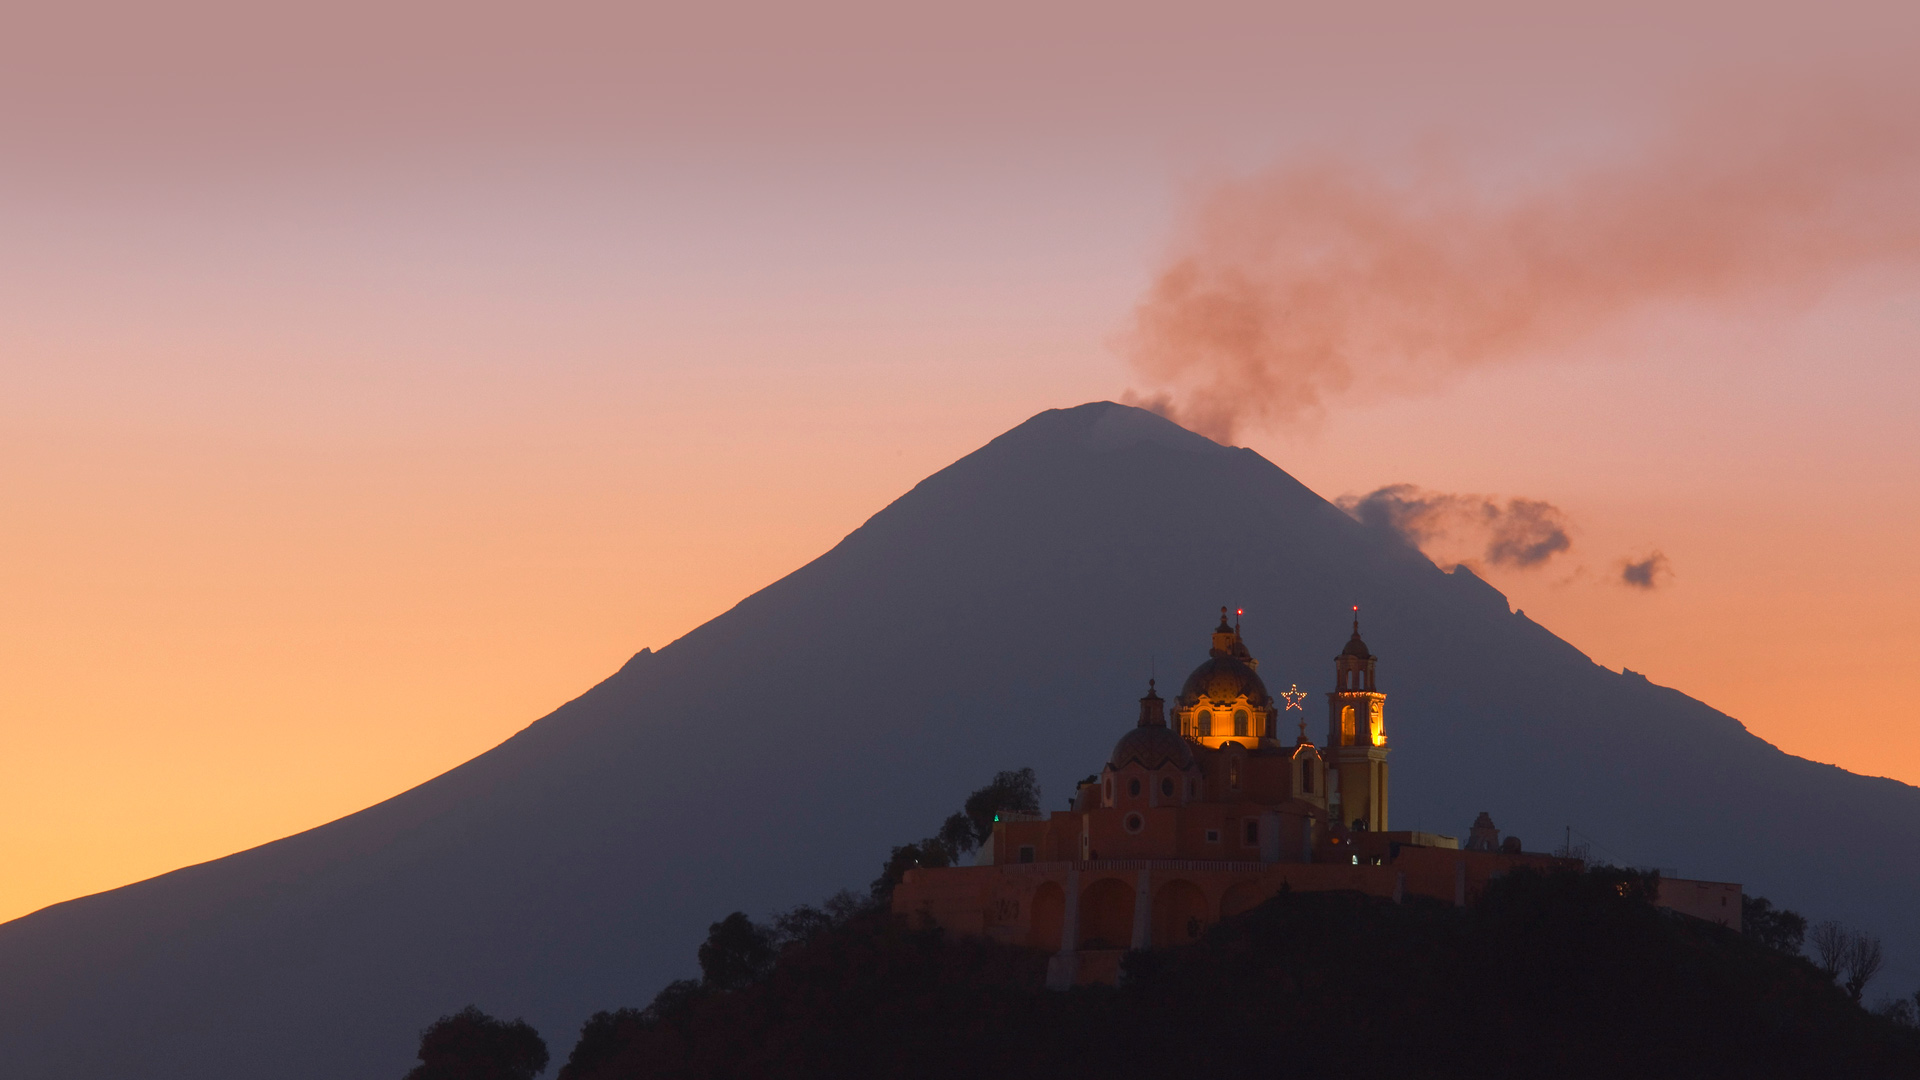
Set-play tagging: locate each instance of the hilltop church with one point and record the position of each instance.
(1205, 810)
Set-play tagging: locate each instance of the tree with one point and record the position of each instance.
(1013, 791)
(470, 1045)
(1847, 957)
(1862, 962)
(1900, 1011)
(601, 1039)
(1771, 927)
(904, 858)
(736, 953)
(673, 1001)
(957, 834)
(1830, 943)
(1016, 791)
(806, 922)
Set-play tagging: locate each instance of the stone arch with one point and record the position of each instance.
(1106, 915)
(1241, 897)
(1047, 913)
(1180, 914)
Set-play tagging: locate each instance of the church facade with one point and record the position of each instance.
(1206, 807)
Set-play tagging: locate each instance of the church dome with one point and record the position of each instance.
(1356, 647)
(1152, 745)
(1224, 678)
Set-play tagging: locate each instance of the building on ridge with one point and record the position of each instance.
(1204, 814)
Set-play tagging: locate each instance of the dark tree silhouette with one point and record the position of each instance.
(1830, 942)
(735, 953)
(1850, 958)
(470, 1045)
(1014, 790)
(1863, 962)
(1017, 791)
(956, 834)
(1771, 927)
(806, 922)
(601, 1038)
(904, 858)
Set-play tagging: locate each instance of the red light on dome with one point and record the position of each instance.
(1240, 611)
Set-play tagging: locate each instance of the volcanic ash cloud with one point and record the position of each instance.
(1291, 289)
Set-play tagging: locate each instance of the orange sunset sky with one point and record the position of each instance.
(378, 377)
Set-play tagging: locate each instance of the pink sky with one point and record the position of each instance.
(380, 377)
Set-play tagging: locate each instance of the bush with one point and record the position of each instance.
(470, 1045)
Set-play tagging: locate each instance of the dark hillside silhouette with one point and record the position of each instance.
(1562, 975)
(1006, 609)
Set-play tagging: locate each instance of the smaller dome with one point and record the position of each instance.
(1356, 647)
(1152, 745)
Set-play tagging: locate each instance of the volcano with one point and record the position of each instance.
(1005, 612)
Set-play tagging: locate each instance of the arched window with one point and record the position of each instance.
(1239, 721)
(1306, 776)
(1346, 725)
(1204, 721)
(1166, 787)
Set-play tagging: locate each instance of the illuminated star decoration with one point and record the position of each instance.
(1293, 697)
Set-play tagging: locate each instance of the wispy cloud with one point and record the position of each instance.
(1648, 572)
(1517, 532)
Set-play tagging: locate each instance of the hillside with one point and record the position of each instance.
(1546, 975)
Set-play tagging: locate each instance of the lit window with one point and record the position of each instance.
(1204, 721)
(1239, 721)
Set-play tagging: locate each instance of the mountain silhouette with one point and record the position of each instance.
(1005, 612)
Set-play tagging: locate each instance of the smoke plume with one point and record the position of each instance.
(1519, 533)
(1293, 288)
(1646, 573)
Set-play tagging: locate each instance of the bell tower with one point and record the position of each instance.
(1357, 739)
